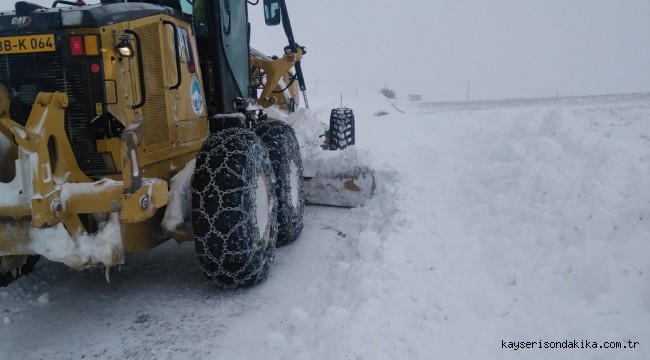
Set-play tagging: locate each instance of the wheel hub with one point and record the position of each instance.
(263, 207)
(293, 182)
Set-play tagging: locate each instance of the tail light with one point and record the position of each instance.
(84, 45)
(76, 45)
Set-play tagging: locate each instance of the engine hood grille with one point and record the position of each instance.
(27, 74)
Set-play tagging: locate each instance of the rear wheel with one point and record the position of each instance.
(234, 209)
(284, 151)
(7, 277)
(341, 128)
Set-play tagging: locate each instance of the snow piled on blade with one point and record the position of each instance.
(310, 133)
(310, 129)
(339, 178)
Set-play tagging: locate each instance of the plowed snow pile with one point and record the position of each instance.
(505, 224)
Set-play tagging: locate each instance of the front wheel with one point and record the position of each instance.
(234, 209)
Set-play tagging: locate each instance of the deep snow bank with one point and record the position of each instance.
(515, 225)
(521, 224)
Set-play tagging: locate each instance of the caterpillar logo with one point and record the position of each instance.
(21, 20)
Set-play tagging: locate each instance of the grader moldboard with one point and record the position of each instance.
(101, 105)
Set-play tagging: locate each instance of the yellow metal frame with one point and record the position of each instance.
(271, 73)
(49, 188)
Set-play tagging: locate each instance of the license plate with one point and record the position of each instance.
(27, 44)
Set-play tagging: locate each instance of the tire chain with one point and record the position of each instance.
(284, 148)
(228, 244)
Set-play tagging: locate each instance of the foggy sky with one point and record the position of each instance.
(504, 48)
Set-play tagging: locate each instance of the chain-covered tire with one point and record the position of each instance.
(284, 151)
(341, 132)
(7, 277)
(234, 209)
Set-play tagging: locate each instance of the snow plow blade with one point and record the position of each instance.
(344, 190)
(334, 172)
(338, 180)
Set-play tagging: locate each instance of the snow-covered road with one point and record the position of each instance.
(160, 306)
(491, 223)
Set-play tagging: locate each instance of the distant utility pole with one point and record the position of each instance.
(557, 92)
(468, 91)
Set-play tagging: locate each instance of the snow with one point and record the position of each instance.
(490, 224)
(44, 298)
(274, 113)
(180, 198)
(329, 172)
(80, 250)
(308, 128)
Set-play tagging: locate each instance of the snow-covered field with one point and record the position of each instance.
(511, 221)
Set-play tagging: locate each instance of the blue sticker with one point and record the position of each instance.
(196, 96)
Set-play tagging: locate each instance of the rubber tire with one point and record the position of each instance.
(341, 130)
(7, 278)
(228, 244)
(280, 140)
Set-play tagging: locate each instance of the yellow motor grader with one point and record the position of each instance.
(127, 123)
